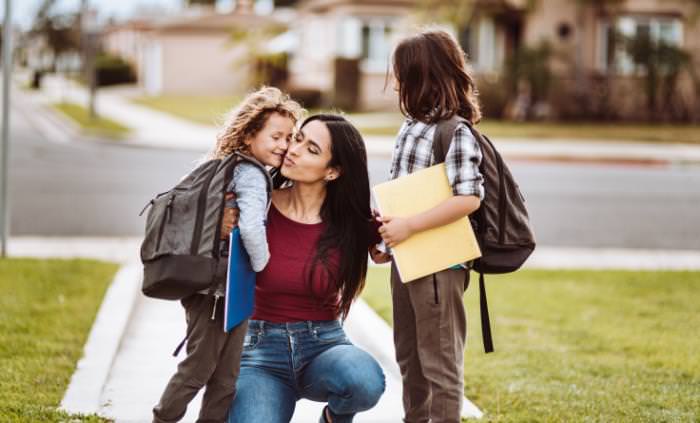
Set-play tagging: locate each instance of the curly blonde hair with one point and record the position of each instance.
(250, 117)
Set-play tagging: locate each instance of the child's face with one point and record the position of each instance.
(271, 142)
(309, 154)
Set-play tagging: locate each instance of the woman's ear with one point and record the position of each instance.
(332, 174)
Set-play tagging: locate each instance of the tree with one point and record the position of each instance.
(458, 13)
(200, 3)
(59, 31)
(661, 65)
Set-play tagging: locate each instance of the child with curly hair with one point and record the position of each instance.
(260, 128)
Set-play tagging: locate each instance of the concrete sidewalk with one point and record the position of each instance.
(128, 360)
(152, 128)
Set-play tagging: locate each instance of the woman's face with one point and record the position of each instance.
(271, 142)
(309, 154)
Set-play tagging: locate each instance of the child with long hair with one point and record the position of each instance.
(429, 319)
(260, 128)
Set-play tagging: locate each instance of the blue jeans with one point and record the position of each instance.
(284, 362)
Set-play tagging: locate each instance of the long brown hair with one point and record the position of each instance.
(433, 79)
(345, 212)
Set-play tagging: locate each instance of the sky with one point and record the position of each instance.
(23, 11)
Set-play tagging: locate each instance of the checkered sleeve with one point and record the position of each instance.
(462, 164)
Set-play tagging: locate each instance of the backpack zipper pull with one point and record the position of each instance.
(213, 311)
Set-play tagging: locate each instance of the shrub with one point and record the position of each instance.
(310, 98)
(112, 70)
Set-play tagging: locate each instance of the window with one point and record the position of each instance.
(612, 53)
(486, 59)
(366, 39)
(376, 45)
(484, 44)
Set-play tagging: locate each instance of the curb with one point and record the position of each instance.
(91, 373)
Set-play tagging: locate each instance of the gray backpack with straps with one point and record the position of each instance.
(501, 224)
(181, 248)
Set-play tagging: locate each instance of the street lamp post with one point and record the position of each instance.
(4, 174)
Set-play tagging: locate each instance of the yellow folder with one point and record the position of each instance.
(433, 250)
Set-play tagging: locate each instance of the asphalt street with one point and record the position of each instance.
(97, 189)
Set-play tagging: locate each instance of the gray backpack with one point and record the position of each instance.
(181, 249)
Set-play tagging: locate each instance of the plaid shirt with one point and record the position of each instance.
(414, 151)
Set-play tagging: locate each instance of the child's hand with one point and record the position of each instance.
(229, 220)
(395, 230)
(377, 256)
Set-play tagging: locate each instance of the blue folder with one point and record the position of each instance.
(240, 284)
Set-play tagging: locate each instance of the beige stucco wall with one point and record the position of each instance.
(207, 64)
(312, 63)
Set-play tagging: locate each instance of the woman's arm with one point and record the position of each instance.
(397, 229)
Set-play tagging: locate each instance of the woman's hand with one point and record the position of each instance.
(378, 256)
(229, 220)
(395, 230)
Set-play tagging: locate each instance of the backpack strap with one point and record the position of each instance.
(262, 168)
(485, 321)
(444, 132)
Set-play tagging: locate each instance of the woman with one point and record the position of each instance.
(319, 230)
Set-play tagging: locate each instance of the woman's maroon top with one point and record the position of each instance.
(283, 292)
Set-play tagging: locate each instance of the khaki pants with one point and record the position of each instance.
(213, 360)
(430, 328)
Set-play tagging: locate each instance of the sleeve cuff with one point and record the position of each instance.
(466, 188)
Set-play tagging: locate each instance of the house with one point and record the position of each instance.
(194, 53)
(585, 70)
(359, 29)
(587, 62)
(593, 73)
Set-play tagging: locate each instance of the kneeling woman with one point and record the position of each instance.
(319, 231)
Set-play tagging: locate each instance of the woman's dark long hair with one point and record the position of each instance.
(345, 210)
(433, 78)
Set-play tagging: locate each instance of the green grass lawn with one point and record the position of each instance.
(99, 127)
(207, 110)
(574, 346)
(561, 130)
(47, 308)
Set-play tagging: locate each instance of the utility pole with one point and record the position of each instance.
(4, 173)
(87, 34)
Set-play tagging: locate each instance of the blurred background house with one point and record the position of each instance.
(343, 50)
(616, 59)
(193, 53)
(534, 59)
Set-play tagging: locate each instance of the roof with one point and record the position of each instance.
(197, 22)
(325, 5)
(213, 22)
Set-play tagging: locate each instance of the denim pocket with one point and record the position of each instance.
(329, 336)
